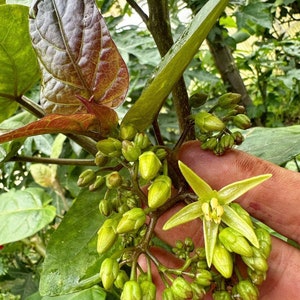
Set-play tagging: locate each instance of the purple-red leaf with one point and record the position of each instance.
(77, 56)
(83, 124)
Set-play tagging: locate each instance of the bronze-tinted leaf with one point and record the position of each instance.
(77, 56)
(83, 124)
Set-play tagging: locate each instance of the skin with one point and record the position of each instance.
(275, 202)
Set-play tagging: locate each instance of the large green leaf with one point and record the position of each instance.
(173, 65)
(278, 145)
(23, 213)
(72, 261)
(19, 67)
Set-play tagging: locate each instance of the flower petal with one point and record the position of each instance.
(200, 187)
(210, 230)
(186, 214)
(233, 220)
(234, 190)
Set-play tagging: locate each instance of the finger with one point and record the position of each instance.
(274, 202)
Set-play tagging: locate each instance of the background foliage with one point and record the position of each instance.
(263, 40)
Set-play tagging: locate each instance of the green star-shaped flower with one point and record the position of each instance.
(213, 207)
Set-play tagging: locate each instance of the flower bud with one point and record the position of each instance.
(256, 277)
(108, 272)
(149, 165)
(222, 260)
(148, 290)
(182, 288)
(142, 140)
(227, 141)
(168, 294)
(130, 150)
(210, 144)
(238, 137)
(246, 290)
(86, 177)
(105, 207)
(100, 159)
(208, 122)
(198, 291)
(256, 262)
(132, 291)
(221, 295)
(131, 220)
(241, 121)
(111, 147)
(228, 100)
(122, 277)
(97, 184)
(235, 242)
(159, 191)
(127, 132)
(265, 243)
(113, 180)
(197, 99)
(107, 235)
(203, 277)
(161, 153)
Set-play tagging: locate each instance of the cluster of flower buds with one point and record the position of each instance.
(213, 125)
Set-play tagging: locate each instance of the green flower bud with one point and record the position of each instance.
(182, 288)
(197, 99)
(235, 242)
(148, 290)
(168, 294)
(222, 260)
(256, 277)
(127, 132)
(101, 159)
(132, 220)
(256, 262)
(208, 122)
(149, 165)
(265, 243)
(227, 141)
(105, 207)
(132, 291)
(241, 121)
(122, 277)
(161, 153)
(238, 137)
(221, 295)
(108, 272)
(97, 184)
(130, 150)
(246, 290)
(142, 140)
(198, 291)
(159, 191)
(228, 100)
(113, 180)
(86, 178)
(219, 150)
(203, 277)
(107, 235)
(111, 147)
(210, 144)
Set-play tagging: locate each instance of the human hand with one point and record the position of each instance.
(275, 203)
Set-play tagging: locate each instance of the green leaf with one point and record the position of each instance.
(173, 65)
(234, 190)
(72, 262)
(233, 220)
(19, 67)
(23, 213)
(200, 187)
(188, 213)
(93, 293)
(278, 145)
(210, 231)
